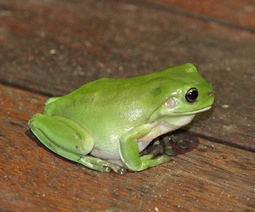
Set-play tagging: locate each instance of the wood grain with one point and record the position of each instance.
(55, 47)
(49, 48)
(212, 177)
(239, 14)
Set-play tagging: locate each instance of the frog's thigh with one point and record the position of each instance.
(129, 150)
(62, 135)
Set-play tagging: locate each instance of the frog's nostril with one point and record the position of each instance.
(210, 93)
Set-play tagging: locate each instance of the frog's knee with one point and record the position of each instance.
(61, 132)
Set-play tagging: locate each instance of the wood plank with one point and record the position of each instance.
(54, 47)
(233, 13)
(213, 177)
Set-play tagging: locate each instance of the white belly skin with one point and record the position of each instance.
(159, 127)
(108, 151)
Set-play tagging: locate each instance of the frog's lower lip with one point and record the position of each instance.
(195, 111)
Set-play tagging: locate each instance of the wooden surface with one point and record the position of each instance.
(49, 48)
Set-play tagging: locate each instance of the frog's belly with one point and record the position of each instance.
(109, 149)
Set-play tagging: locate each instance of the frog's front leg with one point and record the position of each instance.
(70, 140)
(129, 151)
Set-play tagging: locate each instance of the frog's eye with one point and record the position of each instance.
(191, 95)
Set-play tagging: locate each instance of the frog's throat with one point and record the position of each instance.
(193, 111)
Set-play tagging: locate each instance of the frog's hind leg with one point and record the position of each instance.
(70, 140)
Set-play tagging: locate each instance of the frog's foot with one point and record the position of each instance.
(100, 165)
(168, 148)
(180, 142)
(155, 149)
(174, 145)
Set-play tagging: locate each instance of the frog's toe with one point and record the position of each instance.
(183, 145)
(121, 170)
(169, 151)
(117, 169)
(106, 169)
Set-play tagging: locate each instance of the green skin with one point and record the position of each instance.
(105, 124)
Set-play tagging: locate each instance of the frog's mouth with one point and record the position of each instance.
(192, 112)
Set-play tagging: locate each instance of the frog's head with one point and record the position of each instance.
(193, 94)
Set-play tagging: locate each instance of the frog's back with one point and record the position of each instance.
(127, 101)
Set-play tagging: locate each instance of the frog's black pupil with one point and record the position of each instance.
(192, 95)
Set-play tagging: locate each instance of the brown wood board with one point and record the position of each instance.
(213, 177)
(55, 47)
(239, 14)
